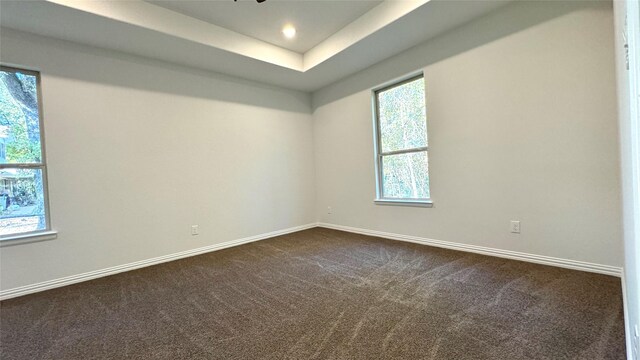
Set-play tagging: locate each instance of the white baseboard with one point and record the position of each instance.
(55, 283)
(538, 259)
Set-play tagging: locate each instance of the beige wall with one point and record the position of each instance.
(522, 124)
(138, 151)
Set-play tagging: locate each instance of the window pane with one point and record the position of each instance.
(403, 117)
(19, 118)
(405, 176)
(22, 206)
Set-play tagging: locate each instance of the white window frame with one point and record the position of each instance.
(379, 155)
(47, 233)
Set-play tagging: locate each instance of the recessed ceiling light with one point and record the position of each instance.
(289, 31)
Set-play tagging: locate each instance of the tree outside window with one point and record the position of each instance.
(23, 202)
(402, 146)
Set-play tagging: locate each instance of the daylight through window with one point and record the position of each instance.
(23, 198)
(402, 147)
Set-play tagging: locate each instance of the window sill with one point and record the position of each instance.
(12, 240)
(416, 203)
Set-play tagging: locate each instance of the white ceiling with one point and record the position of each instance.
(314, 20)
(209, 41)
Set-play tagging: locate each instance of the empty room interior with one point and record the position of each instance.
(353, 179)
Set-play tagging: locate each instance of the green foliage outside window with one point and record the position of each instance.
(22, 202)
(402, 126)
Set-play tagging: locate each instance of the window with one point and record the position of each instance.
(401, 143)
(23, 171)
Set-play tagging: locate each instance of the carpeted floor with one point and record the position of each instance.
(324, 294)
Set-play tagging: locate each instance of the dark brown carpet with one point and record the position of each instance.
(324, 294)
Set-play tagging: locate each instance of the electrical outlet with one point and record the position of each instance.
(329, 210)
(195, 230)
(515, 226)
